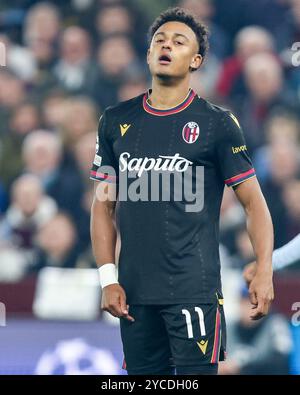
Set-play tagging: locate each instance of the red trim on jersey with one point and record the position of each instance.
(124, 364)
(102, 176)
(217, 340)
(240, 177)
(155, 111)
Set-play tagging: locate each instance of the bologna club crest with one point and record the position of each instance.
(190, 132)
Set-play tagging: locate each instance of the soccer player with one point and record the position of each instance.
(168, 292)
(283, 257)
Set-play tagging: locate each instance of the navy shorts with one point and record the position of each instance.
(179, 335)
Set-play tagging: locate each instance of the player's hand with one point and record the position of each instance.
(249, 272)
(261, 293)
(114, 301)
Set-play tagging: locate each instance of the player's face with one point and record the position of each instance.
(173, 50)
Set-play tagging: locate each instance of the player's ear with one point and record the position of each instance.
(196, 62)
(148, 55)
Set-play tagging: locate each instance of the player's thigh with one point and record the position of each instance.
(197, 333)
(145, 341)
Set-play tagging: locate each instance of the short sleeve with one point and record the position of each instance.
(232, 155)
(104, 166)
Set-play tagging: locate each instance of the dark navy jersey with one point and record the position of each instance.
(170, 248)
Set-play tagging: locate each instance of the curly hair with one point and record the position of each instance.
(177, 14)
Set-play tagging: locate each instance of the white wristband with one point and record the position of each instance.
(108, 274)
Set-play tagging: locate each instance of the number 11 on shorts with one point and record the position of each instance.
(188, 319)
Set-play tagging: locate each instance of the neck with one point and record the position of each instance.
(165, 96)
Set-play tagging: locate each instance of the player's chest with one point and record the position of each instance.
(192, 137)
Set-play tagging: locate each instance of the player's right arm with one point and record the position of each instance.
(103, 237)
(103, 232)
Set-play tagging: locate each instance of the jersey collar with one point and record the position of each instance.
(155, 111)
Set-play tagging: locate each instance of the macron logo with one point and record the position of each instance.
(124, 128)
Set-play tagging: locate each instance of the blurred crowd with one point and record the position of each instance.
(67, 61)
(65, 64)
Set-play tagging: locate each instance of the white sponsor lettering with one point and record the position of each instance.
(163, 162)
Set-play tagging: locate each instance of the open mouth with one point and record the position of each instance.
(164, 59)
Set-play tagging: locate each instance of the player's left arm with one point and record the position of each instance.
(260, 230)
(282, 257)
(238, 172)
